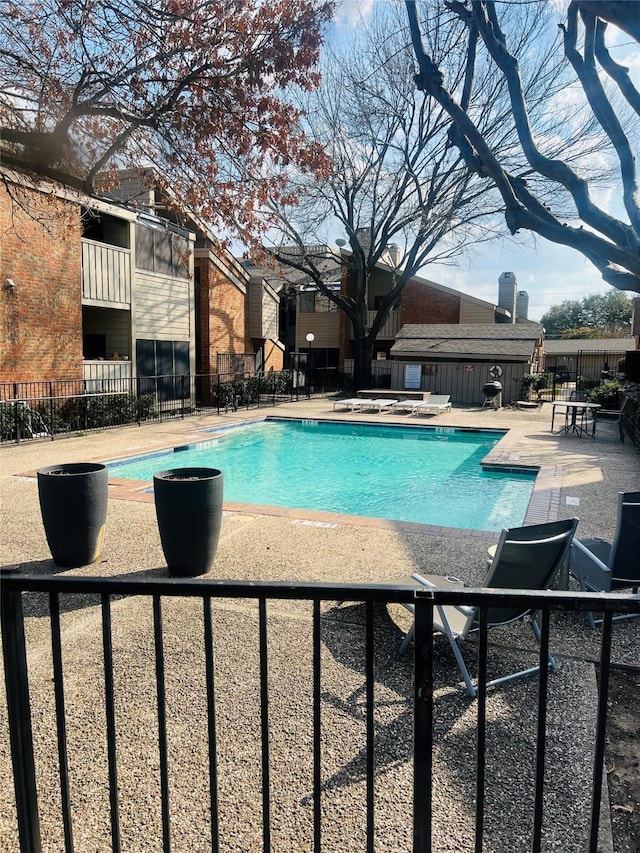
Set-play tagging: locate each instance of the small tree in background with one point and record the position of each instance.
(595, 316)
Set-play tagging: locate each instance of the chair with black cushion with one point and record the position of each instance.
(601, 566)
(526, 558)
(612, 416)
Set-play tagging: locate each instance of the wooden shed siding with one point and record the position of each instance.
(463, 382)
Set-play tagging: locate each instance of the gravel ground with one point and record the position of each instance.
(259, 546)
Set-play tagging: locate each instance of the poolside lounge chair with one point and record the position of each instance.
(349, 403)
(379, 404)
(601, 566)
(436, 404)
(526, 558)
(403, 405)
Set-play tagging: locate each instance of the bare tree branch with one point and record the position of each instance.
(610, 243)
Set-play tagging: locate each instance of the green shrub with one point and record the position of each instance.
(606, 394)
(532, 382)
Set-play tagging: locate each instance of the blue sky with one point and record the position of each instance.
(549, 273)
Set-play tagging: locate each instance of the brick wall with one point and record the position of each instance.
(273, 356)
(41, 318)
(222, 316)
(423, 304)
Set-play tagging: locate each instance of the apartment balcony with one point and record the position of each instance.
(106, 275)
(390, 329)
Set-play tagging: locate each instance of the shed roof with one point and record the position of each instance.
(471, 331)
(575, 345)
(508, 341)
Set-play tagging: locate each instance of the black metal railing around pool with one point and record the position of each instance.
(31, 410)
(394, 741)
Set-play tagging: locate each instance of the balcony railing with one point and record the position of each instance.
(106, 274)
(392, 325)
(53, 807)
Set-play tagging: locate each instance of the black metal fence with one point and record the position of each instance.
(580, 372)
(46, 409)
(59, 594)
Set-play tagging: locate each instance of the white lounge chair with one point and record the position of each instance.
(378, 404)
(436, 404)
(349, 403)
(403, 405)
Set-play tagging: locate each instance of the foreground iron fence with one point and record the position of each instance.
(60, 595)
(46, 409)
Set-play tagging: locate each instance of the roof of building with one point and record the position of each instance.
(476, 331)
(478, 340)
(575, 345)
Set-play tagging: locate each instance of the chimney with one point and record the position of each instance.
(522, 305)
(507, 293)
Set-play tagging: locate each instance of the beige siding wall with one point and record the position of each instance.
(269, 316)
(163, 307)
(113, 324)
(471, 312)
(263, 312)
(325, 327)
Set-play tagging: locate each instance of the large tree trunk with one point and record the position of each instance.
(362, 355)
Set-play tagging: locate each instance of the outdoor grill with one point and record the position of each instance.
(493, 394)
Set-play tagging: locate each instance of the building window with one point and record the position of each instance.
(162, 251)
(314, 302)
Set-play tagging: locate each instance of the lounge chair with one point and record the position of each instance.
(436, 404)
(379, 404)
(601, 566)
(403, 405)
(526, 558)
(349, 403)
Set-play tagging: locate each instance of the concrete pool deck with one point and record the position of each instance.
(259, 544)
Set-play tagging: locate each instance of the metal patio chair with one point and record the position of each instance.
(612, 416)
(526, 558)
(601, 566)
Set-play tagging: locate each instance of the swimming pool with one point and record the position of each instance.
(428, 475)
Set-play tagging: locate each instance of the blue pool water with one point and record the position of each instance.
(425, 475)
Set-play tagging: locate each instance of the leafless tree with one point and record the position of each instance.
(575, 218)
(398, 177)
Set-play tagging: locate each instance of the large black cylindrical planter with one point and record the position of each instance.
(189, 512)
(73, 503)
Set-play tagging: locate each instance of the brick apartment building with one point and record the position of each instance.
(94, 289)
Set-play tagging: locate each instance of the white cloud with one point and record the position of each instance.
(350, 13)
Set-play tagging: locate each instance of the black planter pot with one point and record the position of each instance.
(73, 503)
(189, 512)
